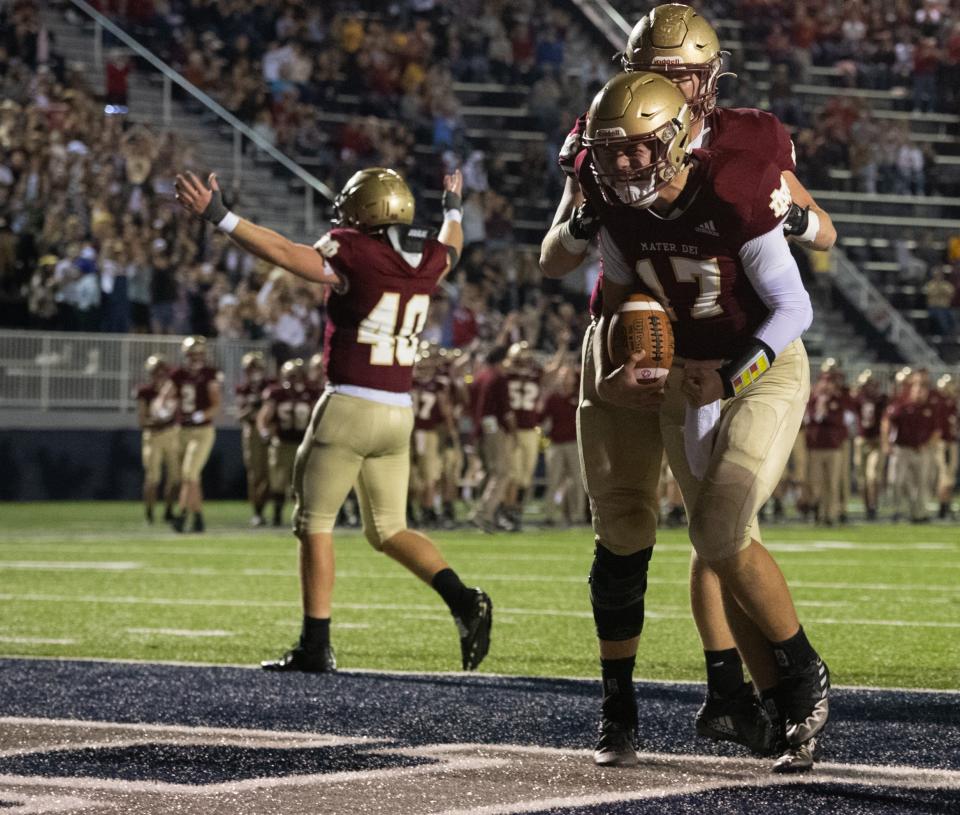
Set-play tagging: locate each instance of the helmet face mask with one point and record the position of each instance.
(373, 199)
(637, 132)
(195, 352)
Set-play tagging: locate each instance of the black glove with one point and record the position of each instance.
(216, 210)
(797, 221)
(451, 200)
(584, 224)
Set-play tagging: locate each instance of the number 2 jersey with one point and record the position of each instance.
(192, 386)
(690, 260)
(375, 319)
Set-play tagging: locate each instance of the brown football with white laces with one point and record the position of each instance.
(641, 324)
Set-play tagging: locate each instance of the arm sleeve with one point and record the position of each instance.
(615, 267)
(774, 275)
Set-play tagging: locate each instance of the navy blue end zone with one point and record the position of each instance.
(877, 728)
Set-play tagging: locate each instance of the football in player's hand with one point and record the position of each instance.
(641, 324)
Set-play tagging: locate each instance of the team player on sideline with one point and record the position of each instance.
(281, 422)
(621, 482)
(381, 272)
(734, 295)
(524, 379)
(870, 403)
(160, 443)
(249, 399)
(196, 388)
(433, 421)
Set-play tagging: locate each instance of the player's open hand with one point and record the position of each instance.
(199, 199)
(624, 388)
(701, 386)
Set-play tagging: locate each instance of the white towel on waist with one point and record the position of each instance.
(699, 429)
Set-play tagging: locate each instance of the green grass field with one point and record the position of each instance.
(882, 603)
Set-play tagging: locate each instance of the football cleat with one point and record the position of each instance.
(198, 525)
(797, 759)
(739, 718)
(616, 744)
(300, 659)
(178, 522)
(474, 630)
(257, 521)
(805, 701)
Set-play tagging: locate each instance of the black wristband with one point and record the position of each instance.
(216, 210)
(451, 200)
(797, 220)
(740, 373)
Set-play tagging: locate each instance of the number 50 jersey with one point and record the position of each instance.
(375, 319)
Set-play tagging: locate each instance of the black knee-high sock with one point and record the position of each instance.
(618, 700)
(724, 672)
(458, 597)
(315, 634)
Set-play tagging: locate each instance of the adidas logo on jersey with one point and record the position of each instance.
(707, 228)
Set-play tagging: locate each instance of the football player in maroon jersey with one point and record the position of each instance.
(433, 420)
(870, 404)
(281, 422)
(523, 387)
(738, 307)
(622, 484)
(249, 396)
(195, 386)
(674, 40)
(381, 271)
(947, 461)
(160, 443)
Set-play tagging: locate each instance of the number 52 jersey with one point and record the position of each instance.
(375, 319)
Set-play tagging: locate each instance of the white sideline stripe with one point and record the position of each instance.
(61, 565)
(180, 632)
(667, 683)
(530, 612)
(41, 805)
(38, 640)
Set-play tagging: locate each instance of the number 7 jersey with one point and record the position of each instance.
(375, 319)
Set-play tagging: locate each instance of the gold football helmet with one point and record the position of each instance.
(292, 369)
(253, 359)
(155, 363)
(372, 199)
(194, 350)
(674, 40)
(519, 356)
(638, 131)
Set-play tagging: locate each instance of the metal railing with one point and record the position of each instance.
(66, 371)
(240, 130)
(856, 287)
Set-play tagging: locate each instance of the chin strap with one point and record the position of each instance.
(739, 374)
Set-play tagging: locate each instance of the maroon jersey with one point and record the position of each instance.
(691, 262)
(825, 428)
(562, 412)
(145, 394)
(491, 400)
(292, 406)
(523, 390)
(946, 411)
(374, 322)
(250, 398)
(912, 424)
(192, 389)
(869, 408)
(757, 131)
(427, 413)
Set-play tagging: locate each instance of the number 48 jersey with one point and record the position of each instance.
(375, 319)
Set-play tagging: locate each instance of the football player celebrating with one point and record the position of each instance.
(249, 400)
(196, 387)
(160, 443)
(621, 483)
(281, 422)
(738, 307)
(381, 272)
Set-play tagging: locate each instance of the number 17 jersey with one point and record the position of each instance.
(375, 318)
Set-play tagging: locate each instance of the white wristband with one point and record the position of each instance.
(228, 223)
(575, 246)
(813, 227)
(455, 215)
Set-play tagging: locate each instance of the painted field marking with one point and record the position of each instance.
(180, 632)
(71, 566)
(38, 640)
(529, 612)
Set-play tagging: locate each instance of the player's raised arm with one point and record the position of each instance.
(575, 224)
(451, 233)
(206, 202)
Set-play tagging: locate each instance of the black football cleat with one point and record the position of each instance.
(797, 759)
(616, 744)
(474, 630)
(178, 522)
(198, 524)
(300, 659)
(804, 700)
(739, 718)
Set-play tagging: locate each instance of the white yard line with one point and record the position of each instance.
(38, 640)
(180, 632)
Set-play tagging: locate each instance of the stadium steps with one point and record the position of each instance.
(265, 197)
